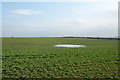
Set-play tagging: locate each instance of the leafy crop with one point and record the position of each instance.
(37, 58)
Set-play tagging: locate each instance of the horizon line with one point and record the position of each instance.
(59, 36)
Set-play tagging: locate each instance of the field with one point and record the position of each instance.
(38, 58)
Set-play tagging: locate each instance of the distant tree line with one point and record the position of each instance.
(94, 38)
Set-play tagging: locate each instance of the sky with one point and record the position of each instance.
(56, 19)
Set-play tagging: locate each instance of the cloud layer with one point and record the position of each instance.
(26, 12)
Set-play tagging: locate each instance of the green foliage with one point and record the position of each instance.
(37, 58)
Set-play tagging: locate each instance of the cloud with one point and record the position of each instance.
(26, 12)
(66, 26)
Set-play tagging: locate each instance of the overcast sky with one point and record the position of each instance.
(60, 18)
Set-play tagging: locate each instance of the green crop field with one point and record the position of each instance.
(38, 58)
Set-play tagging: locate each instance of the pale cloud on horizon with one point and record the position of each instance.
(25, 12)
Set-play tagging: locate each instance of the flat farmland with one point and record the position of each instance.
(38, 58)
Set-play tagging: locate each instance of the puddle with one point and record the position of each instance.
(69, 45)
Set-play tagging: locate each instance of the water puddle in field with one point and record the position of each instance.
(69, 45)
